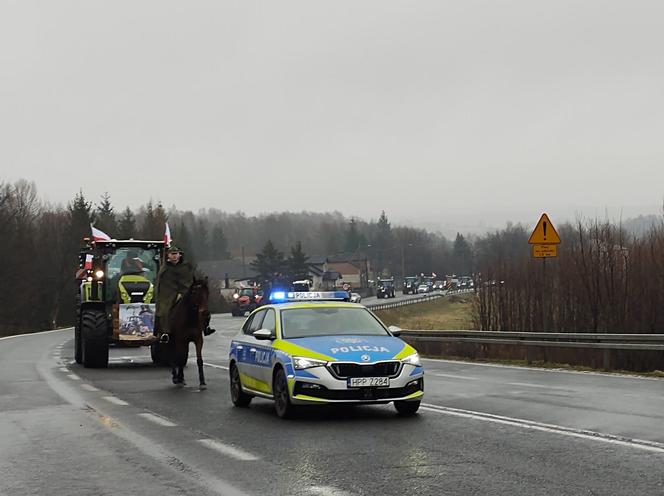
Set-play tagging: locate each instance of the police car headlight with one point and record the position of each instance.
(306, 363)
(99, 274)
(413, 359)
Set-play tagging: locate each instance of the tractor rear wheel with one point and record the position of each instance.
(94, 339)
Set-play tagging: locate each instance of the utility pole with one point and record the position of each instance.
(244, 272)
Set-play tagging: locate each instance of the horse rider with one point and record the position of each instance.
(173, 281)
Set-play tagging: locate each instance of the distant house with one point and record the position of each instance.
(349, 272)
(324, 274)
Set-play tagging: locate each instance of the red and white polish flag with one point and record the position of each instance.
(167, 236)
(87, 265)
(98, 235)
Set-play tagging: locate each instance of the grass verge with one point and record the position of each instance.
(447, 313)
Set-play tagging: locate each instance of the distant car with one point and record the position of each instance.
(439, 285)
(355, 298)
(321, 349)
(423, 288)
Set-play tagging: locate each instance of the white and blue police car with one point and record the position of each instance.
(312, 348)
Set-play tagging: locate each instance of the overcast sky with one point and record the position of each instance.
(464, 113)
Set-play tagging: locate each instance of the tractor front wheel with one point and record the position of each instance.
(94, 339)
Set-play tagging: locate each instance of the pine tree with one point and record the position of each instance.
(201, 240)
(80, 217)
(352, 237)
(462, 255)
(382, 243)
(218, 244)
(182, 239)
(154, 223)
(127, 225)
(269, 262)
(106, 220)
(298, 268)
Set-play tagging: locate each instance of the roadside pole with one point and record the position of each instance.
(544, 240)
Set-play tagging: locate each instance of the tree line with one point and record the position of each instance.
(603, 280)
(39, 245)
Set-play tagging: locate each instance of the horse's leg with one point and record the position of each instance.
(199, 360)
(182, 353)
(172, 358)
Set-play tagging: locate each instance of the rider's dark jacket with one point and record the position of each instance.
(173, 279)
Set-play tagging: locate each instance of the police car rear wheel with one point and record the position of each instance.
(406, 408)
(238, 397)
(282, 403)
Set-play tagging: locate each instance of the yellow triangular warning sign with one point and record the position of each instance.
(544, 233)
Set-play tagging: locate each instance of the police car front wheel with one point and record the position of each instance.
(282, 402)
(406, 408)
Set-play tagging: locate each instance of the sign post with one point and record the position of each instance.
(545, 241)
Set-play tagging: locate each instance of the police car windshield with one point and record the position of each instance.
(328, 321)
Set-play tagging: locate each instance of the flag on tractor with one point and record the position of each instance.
(82, 272)
(99, 235)
(167, 236)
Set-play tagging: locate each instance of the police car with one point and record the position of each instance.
(309, 348)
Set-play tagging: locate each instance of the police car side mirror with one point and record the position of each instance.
(263, 334)
(396, 331)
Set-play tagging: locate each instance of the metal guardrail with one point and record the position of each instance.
(413, 301)
(636, 342)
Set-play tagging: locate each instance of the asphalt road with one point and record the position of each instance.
(484, 430)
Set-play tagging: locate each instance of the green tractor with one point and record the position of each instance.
(115, 301)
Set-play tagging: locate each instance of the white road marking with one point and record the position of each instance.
(541, 386)
(88, 387)
(64, 369)
(115, 401)
(550, 428)
(36, 333)
(223, 367)
(157, 419)
(225, 449)
(124, 358)
(540, 369)
(328, 491)
(74, 377)
(452, 376)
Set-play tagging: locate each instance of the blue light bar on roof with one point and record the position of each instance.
(278, 296)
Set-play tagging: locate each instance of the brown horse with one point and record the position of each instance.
(189, 319)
